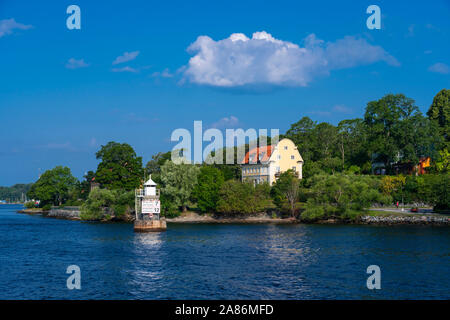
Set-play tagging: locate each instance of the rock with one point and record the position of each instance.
(70, 213)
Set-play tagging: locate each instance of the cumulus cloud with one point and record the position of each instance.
(127, 56)
(75, 64)
(7, 26)
(439, 68)
(125, 69)
(264, 60)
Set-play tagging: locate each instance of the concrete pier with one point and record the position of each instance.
(150, 225)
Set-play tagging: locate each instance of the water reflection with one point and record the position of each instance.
(147, 270)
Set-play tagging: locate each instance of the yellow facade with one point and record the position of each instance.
(284, 156)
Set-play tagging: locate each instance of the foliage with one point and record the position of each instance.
(119, 168)
(30, 204)
(206, 192)
(391, 184)
(428, 189)
(154, 166)
(397, 130)
(85, 185)
(104, 204)
(178, 182)
(243, 197)
(338, 195)
(443, 161)
(286, 188)
(54, 186)
(440, 113)
(15, 192)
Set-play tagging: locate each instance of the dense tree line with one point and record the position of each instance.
(15, 192)
(337, 183)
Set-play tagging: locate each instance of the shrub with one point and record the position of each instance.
(206, 191)
(30, 204)
(243, 198)
(313, 212)
(341, 196)
(104, 204)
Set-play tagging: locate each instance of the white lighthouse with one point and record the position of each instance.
(148, 209)
(150, 187)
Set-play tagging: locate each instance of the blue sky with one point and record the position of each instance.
(127, 75)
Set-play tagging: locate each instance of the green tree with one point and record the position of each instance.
(443, 161)
(104, 204)
(119, 168)
(53, 186)
(15, 192)
(206, 192)
(237, 197)
(178, 181)
(397, 130)
(341, 196)
(301, 133)
(286, 190)
(439, 112)
(352, 142)
(85, 185)
(154, 166)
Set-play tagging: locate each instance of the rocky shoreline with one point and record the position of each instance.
(73, 213)
(394, 220)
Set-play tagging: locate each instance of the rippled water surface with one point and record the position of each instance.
(219, 261)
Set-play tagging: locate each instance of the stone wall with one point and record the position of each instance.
(413, 219)
(71, 213)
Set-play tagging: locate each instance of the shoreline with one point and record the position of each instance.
(384, 218)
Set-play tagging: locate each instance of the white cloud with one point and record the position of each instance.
(127, 56)
(165, 74)
(264, 60)
(227, 122)
(439, 68)
(75, 64)
(125, 69)
(342, 109)
(8, 25)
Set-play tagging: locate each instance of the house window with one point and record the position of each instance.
(279, 157)
(294, 168)
(285, 147)
(292, 157)
(278, 169)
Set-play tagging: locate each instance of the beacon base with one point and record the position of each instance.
(150, 225)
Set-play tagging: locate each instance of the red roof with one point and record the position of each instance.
(261, 154)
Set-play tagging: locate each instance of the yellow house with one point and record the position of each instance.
(265, 164)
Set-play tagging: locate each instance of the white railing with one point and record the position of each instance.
(141, 193)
